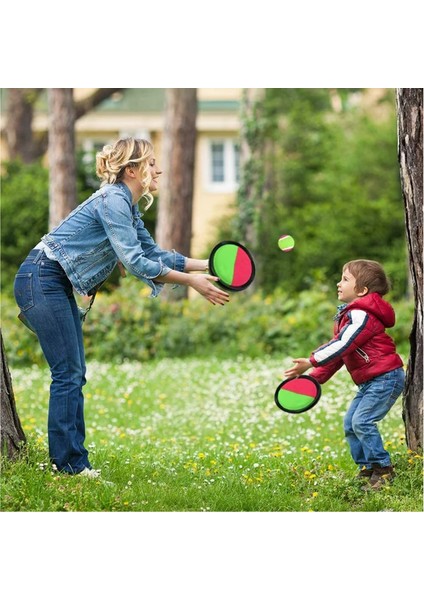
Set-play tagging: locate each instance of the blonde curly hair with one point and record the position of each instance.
(113, 159)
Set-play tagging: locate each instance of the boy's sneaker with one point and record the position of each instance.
(381, 476)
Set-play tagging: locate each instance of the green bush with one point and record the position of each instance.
(128, 325)
(24, 214)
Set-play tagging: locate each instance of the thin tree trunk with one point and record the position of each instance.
(18, 128)
(410, 154)
(62, 160)
(12, 435)
(175, 207)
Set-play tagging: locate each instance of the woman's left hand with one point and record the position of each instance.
(204, 286)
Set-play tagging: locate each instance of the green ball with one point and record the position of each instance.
(286, 243)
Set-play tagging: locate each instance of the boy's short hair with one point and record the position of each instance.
(369, 274)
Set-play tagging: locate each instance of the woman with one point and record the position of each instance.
(79, 254)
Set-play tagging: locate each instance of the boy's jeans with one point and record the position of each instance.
(371, 404)
(45, 297)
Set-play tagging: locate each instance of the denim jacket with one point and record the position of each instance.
(106, 228)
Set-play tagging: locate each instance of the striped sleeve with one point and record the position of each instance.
(344, 342)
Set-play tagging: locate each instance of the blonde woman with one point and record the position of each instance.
(79, 255)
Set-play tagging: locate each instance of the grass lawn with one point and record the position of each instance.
(203, 435)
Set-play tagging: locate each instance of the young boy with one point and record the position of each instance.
(360, 343)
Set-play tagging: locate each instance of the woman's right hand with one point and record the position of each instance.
(202, 284)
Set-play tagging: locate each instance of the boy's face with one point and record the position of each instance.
(346, 288)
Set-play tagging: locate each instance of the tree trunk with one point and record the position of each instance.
(62, 159)
(410, 154)
(19, 115)
(175, 207)
(11, 433)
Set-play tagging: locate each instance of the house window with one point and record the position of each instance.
(223, 173)
(218, 164)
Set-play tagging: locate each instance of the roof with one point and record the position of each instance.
(134, 100)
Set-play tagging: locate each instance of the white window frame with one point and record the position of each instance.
(229, 184)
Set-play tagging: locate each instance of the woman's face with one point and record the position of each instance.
(154, 172)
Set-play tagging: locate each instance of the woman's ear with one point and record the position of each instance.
(129, 171)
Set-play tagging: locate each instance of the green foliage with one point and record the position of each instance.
(331, 180)
(127, 325)
(24, 214)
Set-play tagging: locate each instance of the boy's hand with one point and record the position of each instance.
(301, 365)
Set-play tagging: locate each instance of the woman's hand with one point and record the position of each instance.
(301, 365)
(203, 286)
(201, 283)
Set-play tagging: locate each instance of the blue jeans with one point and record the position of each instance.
(45, 296)
(371, 404)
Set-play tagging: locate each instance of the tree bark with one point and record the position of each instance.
(410, 155)
(18, 128)
(175, 207)
(12, 435)
(62, 159)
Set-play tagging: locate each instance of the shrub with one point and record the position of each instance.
(24, 214)
(127, 325)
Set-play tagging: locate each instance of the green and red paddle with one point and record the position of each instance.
(297, 395)
(233, 264)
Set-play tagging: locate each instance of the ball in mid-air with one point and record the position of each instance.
(286, 243)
